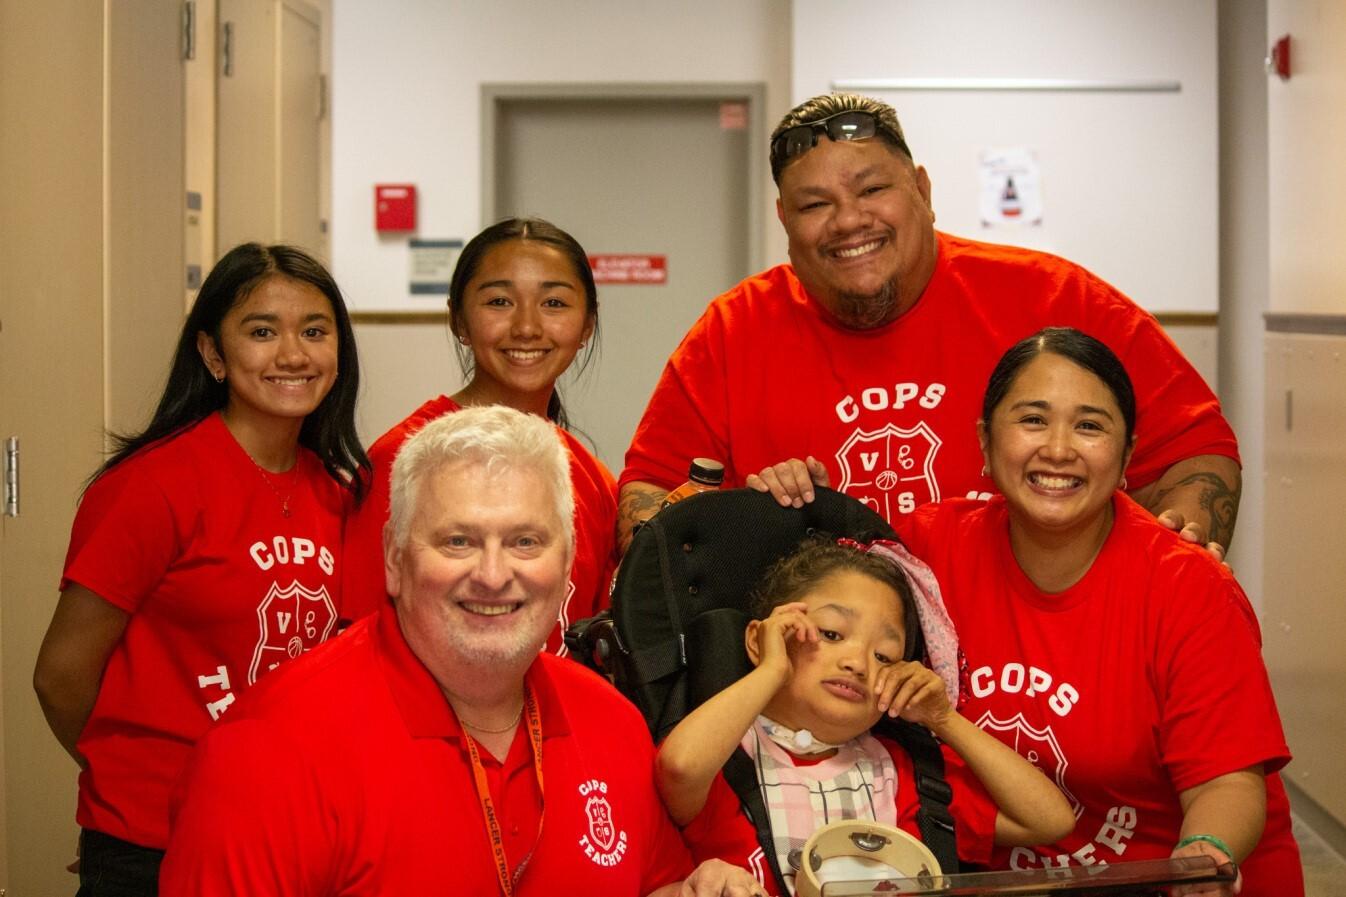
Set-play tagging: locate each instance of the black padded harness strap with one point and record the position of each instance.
(932, 817)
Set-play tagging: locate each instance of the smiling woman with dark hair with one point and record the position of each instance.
(1123, 660)
(205, 551)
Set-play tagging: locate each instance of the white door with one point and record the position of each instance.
(663, 175)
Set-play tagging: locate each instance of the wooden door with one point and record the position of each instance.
(51, 384)
(301, 105)
(269, 126)
(90, 297)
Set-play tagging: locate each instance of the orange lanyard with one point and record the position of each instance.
(493, 831)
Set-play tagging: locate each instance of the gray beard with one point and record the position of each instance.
(866, 312)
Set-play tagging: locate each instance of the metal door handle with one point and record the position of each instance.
(12, 476)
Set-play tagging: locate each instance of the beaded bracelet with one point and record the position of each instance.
(1209, 839)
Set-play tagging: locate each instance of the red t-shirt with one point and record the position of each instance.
(189, 538)
(595, 525)
(723, 831)
(1142, 680)
(348, 774)
(767, 374)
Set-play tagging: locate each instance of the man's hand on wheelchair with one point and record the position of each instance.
(790, 482)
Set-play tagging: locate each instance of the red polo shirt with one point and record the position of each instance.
(348, 774)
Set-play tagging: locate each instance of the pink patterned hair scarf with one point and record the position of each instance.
(941, 639)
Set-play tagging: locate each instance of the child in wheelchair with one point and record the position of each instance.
(836, 643)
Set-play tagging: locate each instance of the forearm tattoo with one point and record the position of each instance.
(1220, 503)
(637, 506)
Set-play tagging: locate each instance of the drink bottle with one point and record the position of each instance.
(703, 475)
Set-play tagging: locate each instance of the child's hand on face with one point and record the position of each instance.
(774, 633)
(914, 692)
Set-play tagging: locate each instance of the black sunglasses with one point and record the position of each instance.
(850, 125)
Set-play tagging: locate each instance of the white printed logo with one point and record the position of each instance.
(757, 865)
(892, 470)
(291, 621)
(1037, 746)
(563, 618)
(605, 843)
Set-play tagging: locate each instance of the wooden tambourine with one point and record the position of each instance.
(903, 854)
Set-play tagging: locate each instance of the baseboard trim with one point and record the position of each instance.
(1325, 325)
(1323, 823)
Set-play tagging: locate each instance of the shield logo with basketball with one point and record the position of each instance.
(601, 830)
(892, 469)
(1037, 746)
(291, 620)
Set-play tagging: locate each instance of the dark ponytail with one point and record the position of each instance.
(469, 261)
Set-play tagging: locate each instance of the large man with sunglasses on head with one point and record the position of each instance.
(867, 355)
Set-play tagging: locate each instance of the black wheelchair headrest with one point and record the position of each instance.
(705, 554)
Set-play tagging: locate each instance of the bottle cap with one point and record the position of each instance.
(706, 470)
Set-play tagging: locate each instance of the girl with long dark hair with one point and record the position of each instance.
(522, 306)
(205, 551)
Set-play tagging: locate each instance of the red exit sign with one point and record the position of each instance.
(630, 268)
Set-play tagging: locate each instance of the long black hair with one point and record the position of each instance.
(192, 394)
(1072, 345)
(522, 229)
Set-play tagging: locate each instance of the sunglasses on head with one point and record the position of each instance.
(850, 125)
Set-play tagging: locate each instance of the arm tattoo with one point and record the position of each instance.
(1220, 503)
(636, 506)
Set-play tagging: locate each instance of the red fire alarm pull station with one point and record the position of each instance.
(1278, 60)
(394, 207)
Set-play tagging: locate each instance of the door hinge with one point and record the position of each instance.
(189, 29)
(227, 49)
(12, 476)
(322, 97)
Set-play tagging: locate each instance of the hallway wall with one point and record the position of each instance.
(1305, 396)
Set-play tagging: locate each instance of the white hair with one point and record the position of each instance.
(496, 436)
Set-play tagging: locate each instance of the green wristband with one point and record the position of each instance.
(1209, 839)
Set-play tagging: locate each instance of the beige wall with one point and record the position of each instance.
(1307, 130)
(1305, 584)
(401, 365)
(1199, 342)
(1305, 396)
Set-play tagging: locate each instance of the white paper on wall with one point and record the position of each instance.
(432, 263)
(1011, 188)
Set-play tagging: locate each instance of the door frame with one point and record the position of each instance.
(753, 94)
